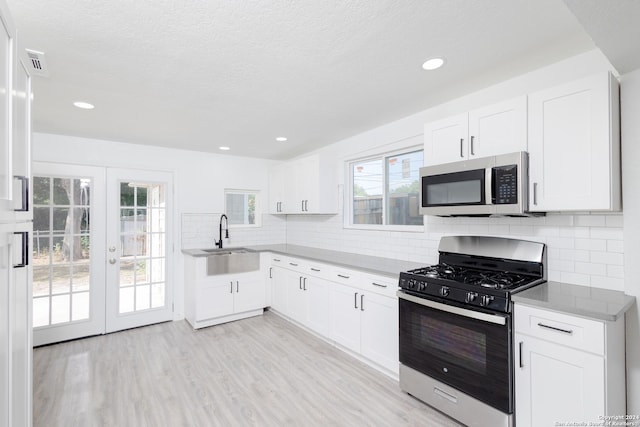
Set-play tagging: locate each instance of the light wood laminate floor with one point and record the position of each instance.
(261, 371)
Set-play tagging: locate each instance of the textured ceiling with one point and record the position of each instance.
(199, 74)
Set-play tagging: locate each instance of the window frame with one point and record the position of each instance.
(258, 206)
(348, 196)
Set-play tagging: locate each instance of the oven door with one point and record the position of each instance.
(465, 349)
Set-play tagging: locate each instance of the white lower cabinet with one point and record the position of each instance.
(366, 323)
(355, 310)
(568, 368)
(211, 300)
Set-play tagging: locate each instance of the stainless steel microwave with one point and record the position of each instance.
(495, 185)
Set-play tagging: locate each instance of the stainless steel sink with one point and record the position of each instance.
(232, 260)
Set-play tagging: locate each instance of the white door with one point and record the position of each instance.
(68, 252)
(139, 290)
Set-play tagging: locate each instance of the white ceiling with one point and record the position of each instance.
(199, 74)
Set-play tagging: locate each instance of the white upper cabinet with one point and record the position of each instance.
(7, 63)
(304, 186)
(574, 146)
(495, 129)
(22, 144)
(277, 183)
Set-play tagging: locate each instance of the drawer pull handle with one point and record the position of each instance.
(445, 395)
(294, 264)
(378, 284)
(276, 259)
(344, 277)
(315, 269)
(564, 331)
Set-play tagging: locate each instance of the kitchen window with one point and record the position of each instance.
(242, 208)
(384, 191)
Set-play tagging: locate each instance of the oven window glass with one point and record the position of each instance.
(454, 193)
(469, 354)
(466, 347)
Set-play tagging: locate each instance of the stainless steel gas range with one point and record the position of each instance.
(456, 346)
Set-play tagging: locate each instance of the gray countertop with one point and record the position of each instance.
(369, 264)
(585, 301)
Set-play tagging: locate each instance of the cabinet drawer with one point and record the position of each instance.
(382, 285)
(572, 331)
(345, 276)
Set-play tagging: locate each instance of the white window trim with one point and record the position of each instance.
(348, 195)
(258, 223)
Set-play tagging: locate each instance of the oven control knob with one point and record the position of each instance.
(485, 300)
(471, 296)
(411, 283)
(422, 286)
(444, 291)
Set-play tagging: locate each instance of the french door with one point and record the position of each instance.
(99, 250)
(138, 292)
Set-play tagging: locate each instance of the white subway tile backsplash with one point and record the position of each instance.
(590, 220)
(583, 248)
(591, 244)
(591, 268)
(607, 258)
(606, 233)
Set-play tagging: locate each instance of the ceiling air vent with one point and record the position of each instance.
(37, 63)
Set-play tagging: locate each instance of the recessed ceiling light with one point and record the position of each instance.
(84, 105)
(224, 148)
(433, 63)
(281, 139)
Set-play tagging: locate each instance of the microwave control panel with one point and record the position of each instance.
(504, 190)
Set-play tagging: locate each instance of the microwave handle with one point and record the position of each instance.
(488, 189)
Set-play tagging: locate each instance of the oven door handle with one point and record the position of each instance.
(491, 318)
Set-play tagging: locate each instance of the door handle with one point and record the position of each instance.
(471, 146)
(112, 248)
(237, 286)
(535, 193)
(520, 351)
(24, 205)
(24, 261)
(461, 151)
(300, 282)
(270, 272)
(112, 261)
(355, 300)
(304, 284)
(362, 302)
(231, 287)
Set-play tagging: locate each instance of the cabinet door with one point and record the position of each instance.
(499, 128)
(7, 48)
(557, 384)
(5, 310)
(249, 292)
(345, 315)
(278, 176)
(296, 304)
(574, 146)
(317, 301)
(446, 140)
(215, 299)
(379, 330)
(307, 179)
(21, 341)
(279, 289)
(22, 144)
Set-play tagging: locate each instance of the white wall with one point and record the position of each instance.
(630, 125)
(199, 183)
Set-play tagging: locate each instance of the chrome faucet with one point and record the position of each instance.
(226, 236)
